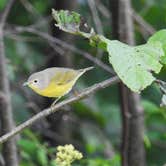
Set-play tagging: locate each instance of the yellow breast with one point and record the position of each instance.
(54, 90)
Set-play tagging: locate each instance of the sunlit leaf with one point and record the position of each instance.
(134, 65)
(42, 157)
(147, 141)
(28, 146)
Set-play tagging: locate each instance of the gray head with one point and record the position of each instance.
(37, 80)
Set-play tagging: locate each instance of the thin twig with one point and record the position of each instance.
(30, 8)
(5, 13)
(33, 11)
(95, 16)
(102, 9)
(162, 85)
(44, 21)
(48, 111)
(145, 26)
(22, 38)
(39, 22)
(98, 24)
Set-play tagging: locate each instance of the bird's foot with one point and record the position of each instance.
(53, 104)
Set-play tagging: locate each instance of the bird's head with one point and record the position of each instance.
(36, 81)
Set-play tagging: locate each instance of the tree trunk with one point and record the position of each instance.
(132, 113)
(66, 59)
(9, 148)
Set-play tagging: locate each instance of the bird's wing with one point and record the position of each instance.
(63, 77)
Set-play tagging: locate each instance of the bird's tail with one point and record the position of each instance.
(82, 71)
(86, 69)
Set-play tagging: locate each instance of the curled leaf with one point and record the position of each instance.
(72, 22)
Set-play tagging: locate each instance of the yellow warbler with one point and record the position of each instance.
(55, 81)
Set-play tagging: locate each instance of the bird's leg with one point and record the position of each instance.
(75, 91)
(55, 101)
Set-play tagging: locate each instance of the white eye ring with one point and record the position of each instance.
(35, 81)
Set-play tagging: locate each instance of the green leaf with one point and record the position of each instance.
(2, 4)
(160, 36)
(115, 161)
(42, 157)
(28, 146)
(72, 22)
(52, 163)
(134, 65)
(147, 141)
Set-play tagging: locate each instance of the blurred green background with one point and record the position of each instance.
(92, 125)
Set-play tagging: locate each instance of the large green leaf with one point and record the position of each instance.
(134, 65)
(160, 36)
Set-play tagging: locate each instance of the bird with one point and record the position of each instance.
(54, 82)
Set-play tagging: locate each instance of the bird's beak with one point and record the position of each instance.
(25, 83)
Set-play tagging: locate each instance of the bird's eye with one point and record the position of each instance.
(35, 81)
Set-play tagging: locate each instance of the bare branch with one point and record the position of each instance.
(30, 8)
(95, 16)
(48, 111)
(19, 29)
(102, 9)
(132, 122)
(98, 24)
(5, 13)
(145, 26)
(39, 19)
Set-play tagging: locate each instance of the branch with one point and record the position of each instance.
(102, 9)
(142, 23)
(95, 16)
(63, 44)
(98, 23)
(57, 107)
(5, 13)
(30, 8)
(131, 110)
